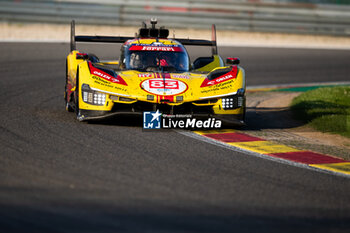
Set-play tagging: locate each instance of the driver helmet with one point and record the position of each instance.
(135, 60)
(163, 62)
(166, 60)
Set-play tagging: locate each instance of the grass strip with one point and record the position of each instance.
(325, 109)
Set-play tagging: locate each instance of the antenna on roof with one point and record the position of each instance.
(138, 37)
(153, 22)
(153, 32)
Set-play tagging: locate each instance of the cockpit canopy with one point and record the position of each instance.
(156, 58)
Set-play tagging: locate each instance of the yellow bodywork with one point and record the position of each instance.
(134, 91)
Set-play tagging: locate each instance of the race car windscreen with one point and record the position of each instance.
(157, 61)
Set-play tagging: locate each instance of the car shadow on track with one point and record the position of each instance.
(99, 218)
(258, 118)
(120, 120)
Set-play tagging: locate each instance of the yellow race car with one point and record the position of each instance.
(154, 73)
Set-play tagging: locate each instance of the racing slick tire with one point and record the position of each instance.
(76, 98)
(68, 105)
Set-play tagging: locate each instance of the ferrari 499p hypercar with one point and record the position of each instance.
(153, 73)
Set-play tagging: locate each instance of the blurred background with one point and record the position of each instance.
(317, 17)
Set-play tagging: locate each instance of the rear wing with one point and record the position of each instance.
(93, 39)
(211, 42)
(123, 39)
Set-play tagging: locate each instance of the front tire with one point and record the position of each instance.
(68, 105)
(76, 98)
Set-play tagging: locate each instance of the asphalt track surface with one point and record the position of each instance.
(59, 175)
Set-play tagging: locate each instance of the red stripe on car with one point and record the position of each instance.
(106, 76)
(223, 78)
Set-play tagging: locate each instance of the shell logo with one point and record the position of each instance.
(160, 86)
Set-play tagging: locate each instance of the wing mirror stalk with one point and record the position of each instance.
(233, 61)
(83, 56)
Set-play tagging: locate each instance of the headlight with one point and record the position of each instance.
(92, 97)
(232, 102)
(227, 103)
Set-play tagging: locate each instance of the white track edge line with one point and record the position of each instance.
(291, 85)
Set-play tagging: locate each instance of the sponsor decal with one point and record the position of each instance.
(180, 76)
(102, 82)
(218, 87)
(154, 44)
(223, 78)
(210, 90)
(106, 76)
(155, 48)
(169, 98)
(165, 86)
(145, 75)
(157, 120)
(108, 84)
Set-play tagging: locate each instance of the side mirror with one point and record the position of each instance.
(232, 61)
(83, 56)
